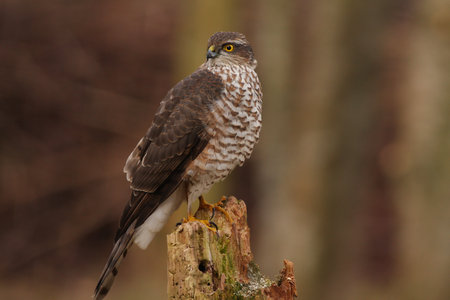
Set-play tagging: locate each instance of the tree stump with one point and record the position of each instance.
(207, 265)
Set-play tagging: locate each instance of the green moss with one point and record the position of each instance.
(227, 264)
(224, 249)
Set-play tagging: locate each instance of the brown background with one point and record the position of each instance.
(351, 178)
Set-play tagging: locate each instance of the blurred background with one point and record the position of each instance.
(350, 180)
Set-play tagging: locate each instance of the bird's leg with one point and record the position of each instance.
(190, 218)
(213, 208)
(205, 205)
(202, 204)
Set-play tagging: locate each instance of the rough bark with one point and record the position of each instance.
(203, 264)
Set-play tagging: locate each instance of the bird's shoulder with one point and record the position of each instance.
(177, 131)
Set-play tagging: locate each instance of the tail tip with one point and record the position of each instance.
(100, 293)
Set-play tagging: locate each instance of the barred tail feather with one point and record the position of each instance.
(118, 252)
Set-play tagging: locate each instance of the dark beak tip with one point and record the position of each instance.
(211, 54)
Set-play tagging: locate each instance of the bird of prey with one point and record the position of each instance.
(205, 126)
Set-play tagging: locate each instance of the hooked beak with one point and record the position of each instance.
(211, 52)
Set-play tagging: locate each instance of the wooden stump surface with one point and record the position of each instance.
(203, 264)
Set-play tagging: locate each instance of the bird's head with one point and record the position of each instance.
(229, 48)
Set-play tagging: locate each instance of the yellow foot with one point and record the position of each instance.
(215, 207)
(210, 225)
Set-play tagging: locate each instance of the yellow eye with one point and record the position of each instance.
(228, 47)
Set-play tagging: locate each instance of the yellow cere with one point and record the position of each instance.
(228, 47)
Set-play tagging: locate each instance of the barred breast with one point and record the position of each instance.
(234, 125)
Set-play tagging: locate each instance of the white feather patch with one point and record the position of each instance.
(156, 221)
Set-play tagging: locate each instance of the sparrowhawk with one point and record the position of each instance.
(206, 125)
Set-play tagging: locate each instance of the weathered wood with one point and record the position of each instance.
(207, 265)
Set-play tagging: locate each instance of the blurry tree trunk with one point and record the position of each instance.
(200, 19)
(273, 43)
(207, 265)
(354, 137)
(359, 228)
(421, 158)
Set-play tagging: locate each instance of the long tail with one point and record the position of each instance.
(118, 252)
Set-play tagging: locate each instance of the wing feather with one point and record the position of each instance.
(177, 136)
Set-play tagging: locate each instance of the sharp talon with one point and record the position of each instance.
(212, 224)
(207, 223)
(213, 213)
(205, 205)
